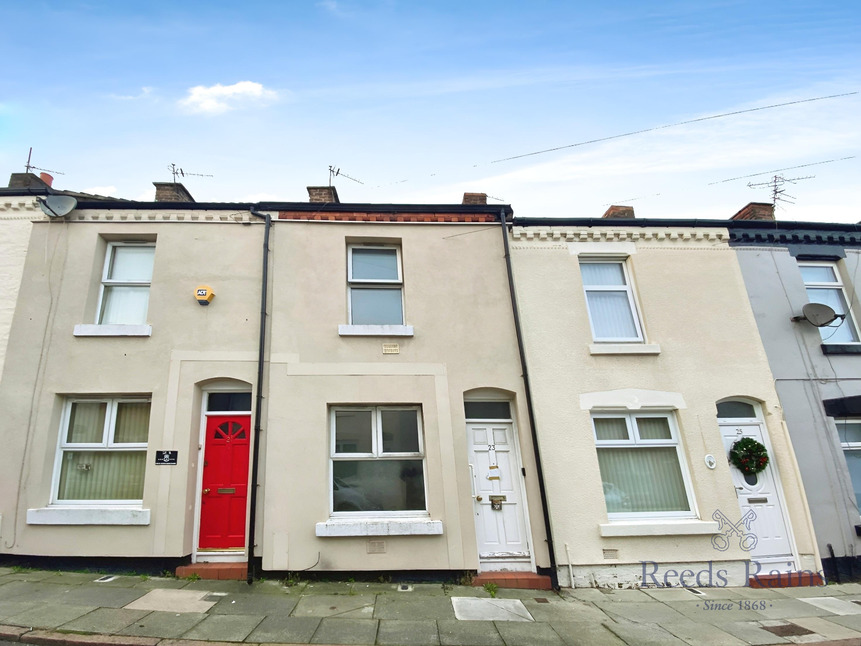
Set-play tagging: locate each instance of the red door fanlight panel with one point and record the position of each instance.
(225, 482)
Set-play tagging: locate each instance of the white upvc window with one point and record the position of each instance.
(377, 461)
(849, 431)
(375, 285)
(126, 279)
(610, 301)
(823, 284)
(643, 470)
(101, 455)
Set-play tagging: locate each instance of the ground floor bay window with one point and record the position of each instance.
(377, 461)
(642, 470)
(102, 451)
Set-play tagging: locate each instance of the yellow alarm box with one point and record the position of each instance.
(204, 294)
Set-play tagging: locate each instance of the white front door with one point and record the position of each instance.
(500, 525)
(760, 493)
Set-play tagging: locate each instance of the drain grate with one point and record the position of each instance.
(788, 630)
(541, 600)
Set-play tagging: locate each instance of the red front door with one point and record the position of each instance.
(225, 482)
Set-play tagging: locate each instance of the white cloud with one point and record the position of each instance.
(221, 98)
(100, 190)
(145, 92)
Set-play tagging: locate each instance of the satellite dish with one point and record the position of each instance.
(56, 206)
(818, 314)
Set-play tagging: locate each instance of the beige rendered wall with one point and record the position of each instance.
(16, 215)
(189, 344)
(693, 305)
(456, 297)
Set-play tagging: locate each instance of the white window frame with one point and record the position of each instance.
(838, 286)
(635, 441)
(107, 444)
(627, 288)
(108, 282)
(359, 283)
(851, 447)
(376, 454)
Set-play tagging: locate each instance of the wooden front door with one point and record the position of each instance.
(225, 482)
(499, 516)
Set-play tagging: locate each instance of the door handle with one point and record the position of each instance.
(205, 491)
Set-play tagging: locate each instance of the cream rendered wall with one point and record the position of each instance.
(693, 305)
(455, 296)
(16, 216)
(189, 344)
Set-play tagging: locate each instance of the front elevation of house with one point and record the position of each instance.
(377, 427)
(646, 368)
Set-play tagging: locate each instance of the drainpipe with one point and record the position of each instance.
(554, 578)
(258, 406)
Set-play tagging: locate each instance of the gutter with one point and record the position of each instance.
(554, 577)
(258, 406)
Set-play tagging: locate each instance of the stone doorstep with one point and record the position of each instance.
(222, 571)
(521, 580)
(801, 579)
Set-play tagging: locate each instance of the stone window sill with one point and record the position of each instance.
(624, 348)
(335, 527)
(88, 516)
(658, 528)
(85, 329)
(375, 330)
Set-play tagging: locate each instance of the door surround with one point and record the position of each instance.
(225, 386)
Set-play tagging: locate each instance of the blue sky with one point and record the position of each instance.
(418, 99)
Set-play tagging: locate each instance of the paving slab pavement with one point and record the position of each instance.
(72, 609)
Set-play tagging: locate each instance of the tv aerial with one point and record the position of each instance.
(778, 192)
(176, 171)
(29, 167)
(818, 315)
(335, 172)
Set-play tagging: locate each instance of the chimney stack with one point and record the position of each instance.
(323, 194)
(475, 198)
(171, 192)
(756, 211)
(619, 213)
(29, 180)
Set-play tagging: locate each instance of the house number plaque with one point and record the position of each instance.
(166, 457)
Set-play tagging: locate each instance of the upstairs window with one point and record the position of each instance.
(823, 284)
(125, 284)
(375, 285)
(102, 451)
(610, 301)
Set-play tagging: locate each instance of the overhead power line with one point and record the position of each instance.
(672, 125)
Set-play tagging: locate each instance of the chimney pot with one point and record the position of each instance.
(756, 211)
(171, 192)
(619, 213)
(48, 179)
(323, 194)
(475, 198)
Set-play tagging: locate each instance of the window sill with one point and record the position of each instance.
(335, 527)
(624, 348)
(88, 516)
(85, 329)
(841, 348)
(658, 528)
(375, 330)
